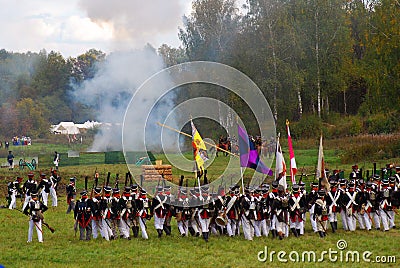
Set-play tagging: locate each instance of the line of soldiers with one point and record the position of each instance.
(45, 187)
(258, 212)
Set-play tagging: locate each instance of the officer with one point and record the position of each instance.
(30, 185)
(83, 216)
(35, 209)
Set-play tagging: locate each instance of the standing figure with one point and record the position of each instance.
(54, 180)
(348, 201)
(182, 212)
(143, 205)
(30, 186)
(116, 213)
(321, 213)
(97, 216)
(169, 209)
(158, 210)
(44, 188)
(71, 195)
(10, 160)
(311, 198)
(231, 207)
(83, 216)
(106, 204)
(385, 205)
(14, 188)
(248, 206)
(127, 208)
(332, 202)
(279, 208)
(56, 159)
(35, 210)
(205, 212)
(297, 204)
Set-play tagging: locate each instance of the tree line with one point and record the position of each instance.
(319, 63)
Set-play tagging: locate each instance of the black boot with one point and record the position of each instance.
(294, 231)
(191, 231)
(333, 227)
(159, 231)
(298, 232)
(273, 233)
(169, 230)
(205, 236)
(321, 234)
(135, 230)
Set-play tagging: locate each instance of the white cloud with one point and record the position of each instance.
(74, 26)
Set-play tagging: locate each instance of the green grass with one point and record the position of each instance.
(63, 249)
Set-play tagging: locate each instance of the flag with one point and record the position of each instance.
(248, 154)
(280, 166)
(293, 166)
(199, 149)
(321, 175)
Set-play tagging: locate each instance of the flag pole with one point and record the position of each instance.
(190, 136)
(241, 177)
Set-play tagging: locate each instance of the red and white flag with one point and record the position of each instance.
(293, 166)
(280, 166)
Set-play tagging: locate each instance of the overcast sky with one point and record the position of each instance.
(72, 27)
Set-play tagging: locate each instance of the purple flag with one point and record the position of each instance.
(248, 154)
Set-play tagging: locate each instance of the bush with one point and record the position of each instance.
(382, 123)
(309, 126)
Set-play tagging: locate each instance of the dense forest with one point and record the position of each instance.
(332, 65)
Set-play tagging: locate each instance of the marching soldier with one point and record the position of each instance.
(44, 188)
(97, 214)
(259, 212)
(360, 208)
(279, 209)
(355, 174)
(127, 207)
(232, 208)
(71, 195)
(348, 200)
(311, 198)
(169, 208)
(372, 205)
(205, 212)
(332, 202)
(135, 194)
(265, 210)
(54, 180)
(248, 206)
(106, 204)
(297, 205)
(219, 202)
(385, 204)
(394, 199)
(35, 210)
(194, 201)
(14, 188)
(273, 195)
(83, 216)
(115, 212)
(29, 186)
(321, 213)
(183, 212)
(158, 210)
(342, 207)
(143, 205)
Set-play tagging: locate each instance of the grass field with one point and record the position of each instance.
(63, 249)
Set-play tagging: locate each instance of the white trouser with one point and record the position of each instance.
(39, 230)
(142, 223)
(97, 226)
(158, 222)
(124, 227)
(204, 224)
(312, 220)
(264, 227)
(53, 195)
(107, 228)
(26, 201)
(385, 219)
(298, 224)
(183, 227)
(257, 228)
(391, 219)
(360, 220)
(344, 220)
(332, 217)
(13, 203)
(248, 229)
(366, 220)
(377, 219)
(231, 227)
(45, 197)
(193, 224)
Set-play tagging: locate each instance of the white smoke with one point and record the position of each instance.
(112, 88)
(136, 22)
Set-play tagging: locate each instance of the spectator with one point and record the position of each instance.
(10, 159)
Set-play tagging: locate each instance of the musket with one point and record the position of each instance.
(126, 178)
(42, 218)
(116, 180)
(96, 177)
(108, 178)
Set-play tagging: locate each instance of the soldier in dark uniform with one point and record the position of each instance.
(183, 212)
(372, 205)
(71, 195)
(385, 204)
(394, 199)
(349, 205)
(279, 208)
(54, 180)
(321, 213)
(332, 202)
(116, 214)
(342, 206)
(271, 197)
(169, 209)
(14, 188)
(127, 206)
(265, 210)
(311, 198)
(44, 188)
(232, 208)
(97, 214)
(106, 203)
(29, 186)
(194, 201)
(143, 205)
(297, 204)
(83, 216)
(219, 202)
(158, 210)
(135, 194)
(35, 209)
(248, 206)
(205, 212)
